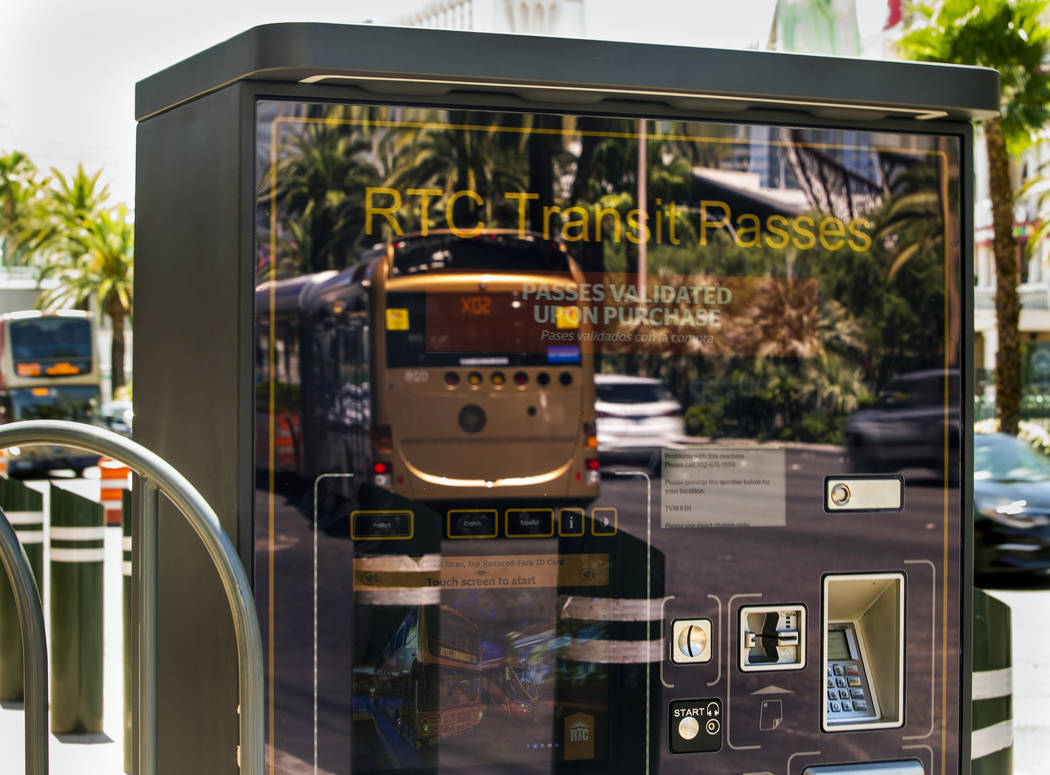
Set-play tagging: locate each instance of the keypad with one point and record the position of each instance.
(848, 698)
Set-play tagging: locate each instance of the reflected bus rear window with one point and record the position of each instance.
(50, 338)
(489, 253)
(632, 393)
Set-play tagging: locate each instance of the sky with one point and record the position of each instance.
(68, 68)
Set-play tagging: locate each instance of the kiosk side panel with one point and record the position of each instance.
(188, 382)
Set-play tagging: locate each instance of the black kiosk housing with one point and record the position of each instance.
(552, 393)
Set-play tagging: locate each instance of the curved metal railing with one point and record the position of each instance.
(34, 646)
(157, 475)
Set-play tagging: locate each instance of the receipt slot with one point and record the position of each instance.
(577, 406)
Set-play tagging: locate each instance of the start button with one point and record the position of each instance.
(696, 726)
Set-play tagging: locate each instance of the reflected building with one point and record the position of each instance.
(559, 18)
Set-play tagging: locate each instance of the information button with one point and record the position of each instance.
(570, 522)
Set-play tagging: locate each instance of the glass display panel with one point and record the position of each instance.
(530, 388)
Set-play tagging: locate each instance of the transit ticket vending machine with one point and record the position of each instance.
(578, 407)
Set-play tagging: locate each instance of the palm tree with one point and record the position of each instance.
(1008, 35)
(96, 263)
(318, 184)
(19, 188)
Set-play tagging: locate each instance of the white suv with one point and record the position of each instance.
(636, 417)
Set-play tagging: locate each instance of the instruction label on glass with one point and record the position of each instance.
(723, 487)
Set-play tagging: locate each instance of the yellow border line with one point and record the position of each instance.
(583, 528)
(386, 512)
(947, 461)
(495, 522)
(529, 535)
(616, 520)
(577, 132)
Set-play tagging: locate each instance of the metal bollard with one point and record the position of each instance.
(77, 553)
(129, 631)
(115, 480)
(992, 743)
(25, 511)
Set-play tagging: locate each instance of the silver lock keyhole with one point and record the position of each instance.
(840, 494)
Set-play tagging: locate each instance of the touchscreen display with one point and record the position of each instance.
(531, 388)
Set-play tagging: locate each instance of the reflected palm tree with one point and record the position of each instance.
(319, 187)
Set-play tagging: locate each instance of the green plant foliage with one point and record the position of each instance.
(1007, 35)
(65, 226)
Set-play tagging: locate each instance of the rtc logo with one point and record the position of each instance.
(579, 736)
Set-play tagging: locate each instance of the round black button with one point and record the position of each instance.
(472, 418)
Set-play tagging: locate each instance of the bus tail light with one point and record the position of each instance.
(590, 435)
(382, 443)
(381, 474)
(593, 474)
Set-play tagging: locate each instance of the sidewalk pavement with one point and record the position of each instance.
(82, 754)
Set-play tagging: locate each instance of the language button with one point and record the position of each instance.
(530, 523)
(380, 525)
(472, 523)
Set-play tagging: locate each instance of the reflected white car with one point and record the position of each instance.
(636, 416)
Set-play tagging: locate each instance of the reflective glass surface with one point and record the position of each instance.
(534, 389)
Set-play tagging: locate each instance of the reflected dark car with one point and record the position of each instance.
(1011, 497)
(906, 429)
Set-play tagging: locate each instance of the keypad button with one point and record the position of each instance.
(843, 694)
(840, 681)
(853, 681)
(847, 706)
(860, 705)
(852, 670)
(833, 695)
(831, 683)
(835, 707)
(857, 694)
(829, 671)
(838, 669)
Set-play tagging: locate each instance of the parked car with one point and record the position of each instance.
(1011, 499)
(116, 415)
(635, 417)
